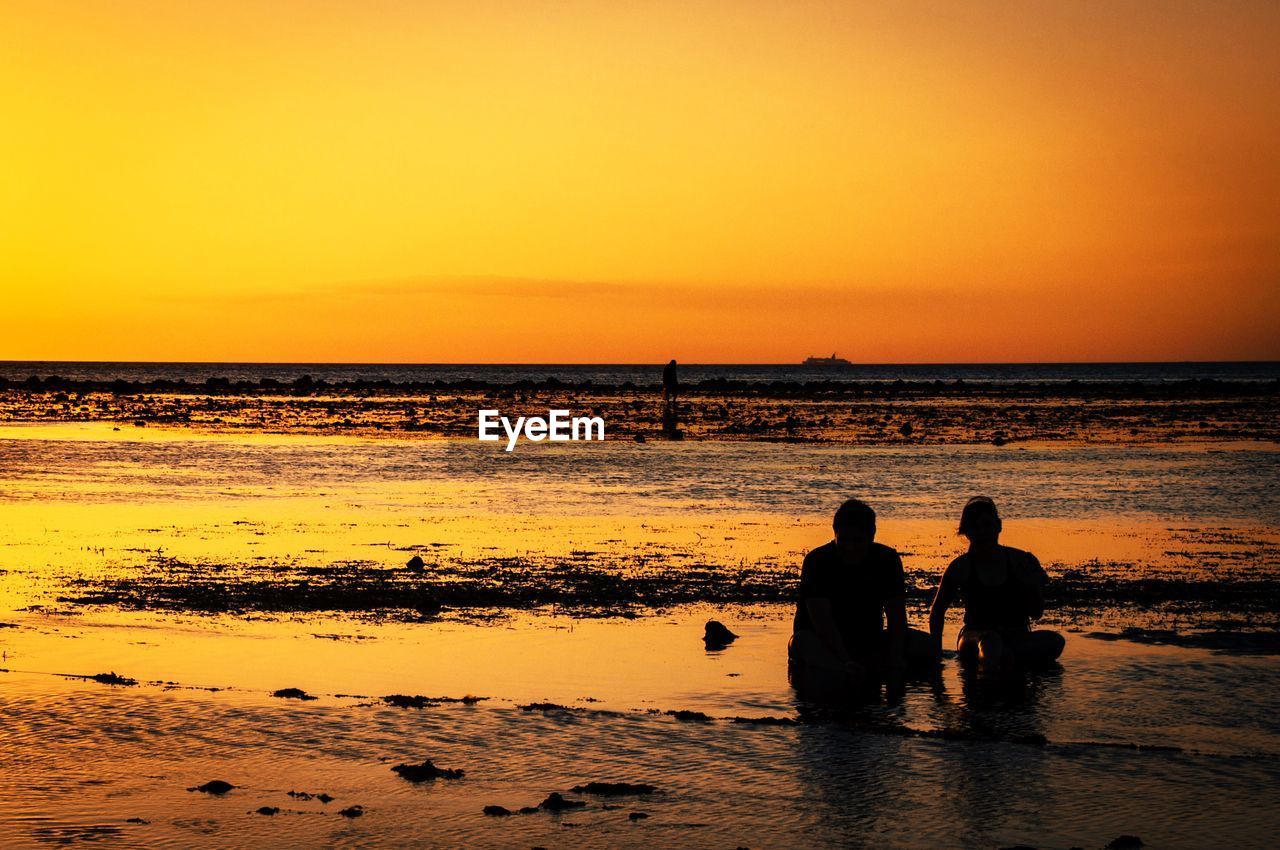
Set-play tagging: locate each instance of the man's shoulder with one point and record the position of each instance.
(824, 554)
(883, 554)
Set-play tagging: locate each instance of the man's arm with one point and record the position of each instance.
(894, 596)
(895, 613)
(942, 601)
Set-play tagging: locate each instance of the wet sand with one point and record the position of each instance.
(216, 568)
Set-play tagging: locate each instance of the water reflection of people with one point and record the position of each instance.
(849, 588)
(1004, 720)
(1001, 590)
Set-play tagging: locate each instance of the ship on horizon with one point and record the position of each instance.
(826, 361)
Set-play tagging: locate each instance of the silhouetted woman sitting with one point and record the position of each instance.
(1000, 588)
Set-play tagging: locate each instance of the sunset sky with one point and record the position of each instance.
(374, 181)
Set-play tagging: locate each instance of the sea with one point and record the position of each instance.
(649, 373)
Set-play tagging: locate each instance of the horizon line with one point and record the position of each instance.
(852, 364)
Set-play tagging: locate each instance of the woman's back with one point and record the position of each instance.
(995, 591)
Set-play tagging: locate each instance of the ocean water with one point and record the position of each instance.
(649, 374)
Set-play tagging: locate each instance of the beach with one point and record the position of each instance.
(725, 426)
(553, 631)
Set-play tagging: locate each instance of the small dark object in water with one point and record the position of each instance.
(113, 679)
(1125, 842)
(545, 706)
(637, 816)
(300, 795)
(406, 701)
(269, 810)
(324, 798)
(136, 820)
(613, 789)
(213, 786)
(716, 636)
(416, 564)
(352, 812)
(497, 811)
(528, 810)
(693, 716)
(425, 771)
(292, 693)
(768, 720)
(556, 803)
(998, 440)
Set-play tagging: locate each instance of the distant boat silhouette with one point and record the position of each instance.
(826, 361)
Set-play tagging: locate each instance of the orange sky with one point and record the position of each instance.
(331, 180)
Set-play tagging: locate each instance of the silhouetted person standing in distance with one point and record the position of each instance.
(670, 394)
(1001, 590)
(670, 383)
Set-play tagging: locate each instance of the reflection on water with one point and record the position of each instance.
(91, 462)
(958, 762)
(1180, 746)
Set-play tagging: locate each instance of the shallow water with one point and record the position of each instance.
(93, 462)
(84, 507)
(1180, 746)
(87, 755)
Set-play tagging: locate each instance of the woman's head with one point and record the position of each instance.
(980, 521)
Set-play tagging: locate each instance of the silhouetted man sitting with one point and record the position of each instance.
(849, 588)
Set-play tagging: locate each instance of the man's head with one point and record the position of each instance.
(980, 521)
(855, 527)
